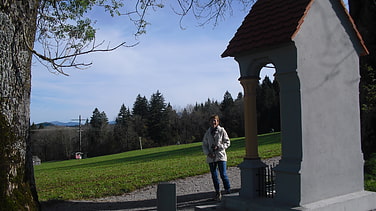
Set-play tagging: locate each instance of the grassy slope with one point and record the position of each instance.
(125, 172)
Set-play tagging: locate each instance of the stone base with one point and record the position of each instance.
(363, 200)
(359, 201)
(249, 178)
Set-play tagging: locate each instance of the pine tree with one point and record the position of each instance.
(267, 101)
(139, 115)
(237, 121)
(140, 107)
(157, 121)
(123, 116)
(121, 138)
(172, 135)
(98, 119)
(226, 107)
(276, 120)
(185, 126)
(97, 134)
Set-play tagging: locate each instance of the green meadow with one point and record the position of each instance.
(125, 172)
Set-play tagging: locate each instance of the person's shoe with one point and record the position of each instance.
(218, 196)
(228, 191)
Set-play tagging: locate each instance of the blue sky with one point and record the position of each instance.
(184, 65)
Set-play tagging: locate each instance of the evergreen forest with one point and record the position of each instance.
(153, 122)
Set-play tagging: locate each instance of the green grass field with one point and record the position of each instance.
(124, 172)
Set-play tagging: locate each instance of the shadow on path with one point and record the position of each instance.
(184, 202)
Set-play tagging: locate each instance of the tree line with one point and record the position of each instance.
(28, 21)
(152, 123)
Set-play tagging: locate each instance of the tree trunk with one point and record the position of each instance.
(17, 27)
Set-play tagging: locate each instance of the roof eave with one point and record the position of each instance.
(364, 50)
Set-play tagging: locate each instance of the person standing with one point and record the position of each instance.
(214, 145)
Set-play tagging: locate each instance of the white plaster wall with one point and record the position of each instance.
(328, 69)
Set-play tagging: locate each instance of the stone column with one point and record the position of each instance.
(250, 116)
(252, 163)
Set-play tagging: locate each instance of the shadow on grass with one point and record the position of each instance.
(184, 202)
(236, 144)
(265, 139)
(177, 153)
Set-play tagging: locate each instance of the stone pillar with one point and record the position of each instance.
(251, 164)
(288, 172)
(166, 197)
(250, 116)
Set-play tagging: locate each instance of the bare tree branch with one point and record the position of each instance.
(65, 23)
(209, 11)
(68, 59)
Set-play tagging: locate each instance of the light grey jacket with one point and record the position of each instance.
(219, 139)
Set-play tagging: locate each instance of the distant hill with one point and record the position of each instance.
(65, 124)
(44, 124)
(57, 123)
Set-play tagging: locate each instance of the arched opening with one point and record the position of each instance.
(269, 123)
(268, 70)
(287, 170)
(267, 100)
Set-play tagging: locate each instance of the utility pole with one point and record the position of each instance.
(139, 138)
(79, 132)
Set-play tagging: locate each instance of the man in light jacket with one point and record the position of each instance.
(214, 145)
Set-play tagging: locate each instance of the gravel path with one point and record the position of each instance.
(191, 192)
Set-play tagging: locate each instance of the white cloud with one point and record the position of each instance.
(185, 66)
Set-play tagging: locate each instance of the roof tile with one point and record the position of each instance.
(272, 22)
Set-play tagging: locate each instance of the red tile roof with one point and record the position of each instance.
(272, 22)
